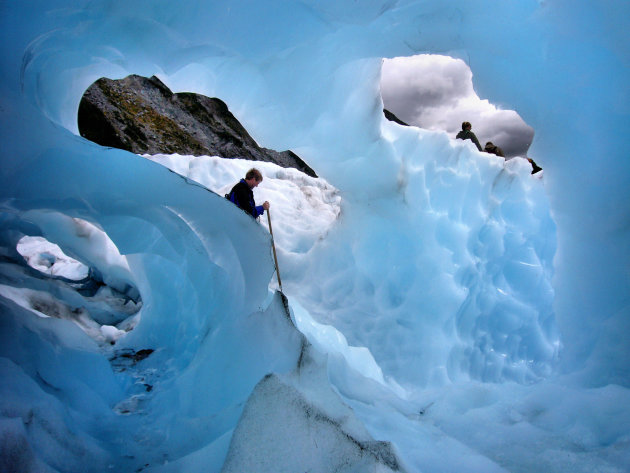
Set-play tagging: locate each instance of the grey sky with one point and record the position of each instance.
(436, 93)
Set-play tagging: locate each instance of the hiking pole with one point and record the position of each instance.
(273, 246)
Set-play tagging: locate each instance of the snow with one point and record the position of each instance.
(48, 258)
(308, 206)
(445, 310)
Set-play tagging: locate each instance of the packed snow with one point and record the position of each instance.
(442, 309)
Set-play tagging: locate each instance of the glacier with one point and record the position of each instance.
(443, 309)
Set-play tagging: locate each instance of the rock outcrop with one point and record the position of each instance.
(393, 118)
(142, 115)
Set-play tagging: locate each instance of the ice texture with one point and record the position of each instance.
(445, 310)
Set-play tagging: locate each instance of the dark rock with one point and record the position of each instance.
(142, 354)
(142, 115)
(128, 357)
(393, 118)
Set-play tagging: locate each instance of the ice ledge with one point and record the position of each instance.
(296, 422)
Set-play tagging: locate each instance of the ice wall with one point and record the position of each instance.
(549, 61)
(305, 75)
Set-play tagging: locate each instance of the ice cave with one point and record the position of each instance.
(442, 309)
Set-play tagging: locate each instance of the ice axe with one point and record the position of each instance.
(273, 246)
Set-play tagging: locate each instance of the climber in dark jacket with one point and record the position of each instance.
(493, 149)
(535, 167)
(243, 196)
(466, 134)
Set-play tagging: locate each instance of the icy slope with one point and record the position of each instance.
(460, 322)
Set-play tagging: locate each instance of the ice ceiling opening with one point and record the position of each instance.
(436, 92)
(143, 116)
(92, 288)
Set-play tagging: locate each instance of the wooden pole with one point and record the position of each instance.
(273, 246)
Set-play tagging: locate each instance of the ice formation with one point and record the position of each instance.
(445, 310)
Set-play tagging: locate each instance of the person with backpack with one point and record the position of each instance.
(243, 196)
(493, 149)
(467, 134)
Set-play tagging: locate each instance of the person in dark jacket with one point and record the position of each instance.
(493, 149)
(466, 134)
(535, 167)
(243, 196)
